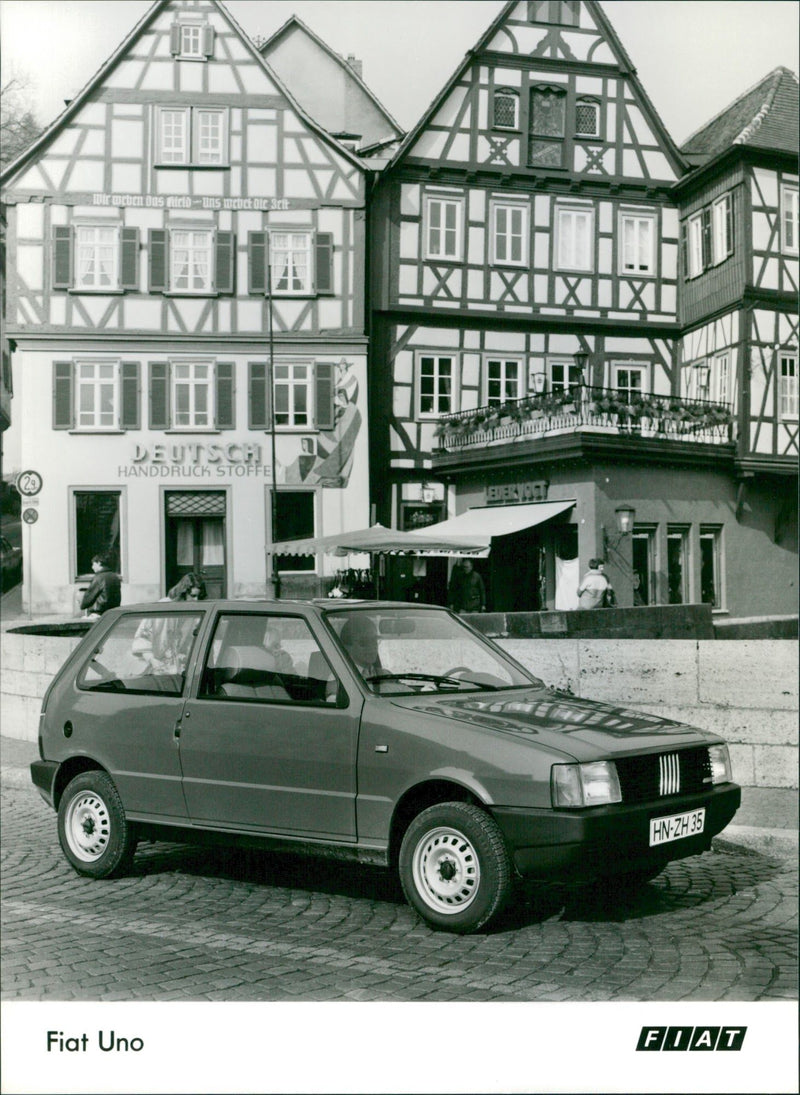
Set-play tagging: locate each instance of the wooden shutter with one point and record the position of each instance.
(323, 402)
(324, 248)
(257, 262)
(208, 41)
(63, 401)
(175, 39)
(259, 403)
(225, 262)
(129, 415)
(62, 256)
(158, 260)
(707, 238)
(729, 222)
(684, 250)
(159, 396)
(225, 406)
(129, 259)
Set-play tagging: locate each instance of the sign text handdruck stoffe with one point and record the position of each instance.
(195, 460)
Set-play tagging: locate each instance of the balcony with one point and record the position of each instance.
(587, 409)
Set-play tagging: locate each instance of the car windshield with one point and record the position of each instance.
(400, 651)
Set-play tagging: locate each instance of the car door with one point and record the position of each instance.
(269, 741)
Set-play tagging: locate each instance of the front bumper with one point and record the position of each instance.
(582, 845)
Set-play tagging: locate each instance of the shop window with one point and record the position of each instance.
(509, 234)
(587, 118)
(547, 126)
(97, 531)
(637, 251)
(574, 239)
(191, 395)
(294, 520)
(677, 565)
(290, 263)
(711, 566)
(788, 386)
(443, 227)
(789, 219)
(190, 260)
(191, 136)
(91, 258)
(191, 40)
(436, 375)
(644, 566)
(503, 380)
(506, 109)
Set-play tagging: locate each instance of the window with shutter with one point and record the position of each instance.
(130, 415)
(158, 400)
(259, 406)
(62, 257)
(324, 381)
(257, 262)
(324, 262)
(225, 262)
(96, 394)
(158, 260)
(63, 403)
(129, 260)
(225, 397)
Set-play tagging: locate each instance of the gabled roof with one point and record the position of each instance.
(119, 53)
(294, 25)
(764, 117)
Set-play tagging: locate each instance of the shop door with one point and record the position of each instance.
(195, 539)
(514, 568)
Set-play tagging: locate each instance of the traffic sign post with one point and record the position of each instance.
(30, 516)
(29, 483)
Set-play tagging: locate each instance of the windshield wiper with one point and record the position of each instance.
(437, 680)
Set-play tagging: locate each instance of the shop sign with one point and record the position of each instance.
(186, 201)
(509, 493)
(192, 460)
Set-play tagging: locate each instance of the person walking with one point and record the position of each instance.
(104, 591)
(595, 587)
(466, 592)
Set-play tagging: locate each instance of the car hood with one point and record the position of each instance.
(577, 726)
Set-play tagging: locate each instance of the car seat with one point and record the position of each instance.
(248, 672)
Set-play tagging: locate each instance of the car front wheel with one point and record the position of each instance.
(95, 835)
(454, 867)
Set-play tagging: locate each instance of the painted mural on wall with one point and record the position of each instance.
(326, 459)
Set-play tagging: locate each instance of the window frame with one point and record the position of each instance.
(509, 207)
(638, 219)
(444, 200)
(435, 396)
(565, 384)
(505, 93)
(642, 367)
(722, 228)
(714, 534)
(290, 250)
(97, 546)
(183, 54)
(563, 211)
(305, 568)
(788, 393)
(722, 392)
(694, 245)
(503, 361)
(547, 140)
(116, 257)
(95, 384)
(189, 153)
(292, 384)
(211, 243)
(587, 100)
(193, 383)
(680, 533)
(789, 217)
(554, 10)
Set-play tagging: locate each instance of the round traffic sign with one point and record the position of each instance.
(30, 516)
(29, 483)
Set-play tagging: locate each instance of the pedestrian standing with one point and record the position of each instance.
(466, 592)
(104, 591)
(593, 590)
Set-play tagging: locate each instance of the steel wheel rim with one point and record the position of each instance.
(446, 870)
(88, 826)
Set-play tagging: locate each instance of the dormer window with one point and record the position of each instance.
(587, 118)
(562, 12)
(191, 40)
(506, 109)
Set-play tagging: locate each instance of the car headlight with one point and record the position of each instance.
(595, 784)
(719, 760)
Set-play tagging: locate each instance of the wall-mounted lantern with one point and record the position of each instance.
(624, 516)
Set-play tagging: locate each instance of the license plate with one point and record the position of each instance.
(677, 826)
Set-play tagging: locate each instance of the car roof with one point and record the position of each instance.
(320, 604)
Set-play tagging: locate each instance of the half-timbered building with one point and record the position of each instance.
(527, 376)
(185, 302)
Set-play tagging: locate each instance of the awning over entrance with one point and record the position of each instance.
(379, 540)
(491, 521)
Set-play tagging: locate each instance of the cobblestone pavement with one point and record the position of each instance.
(199, 924)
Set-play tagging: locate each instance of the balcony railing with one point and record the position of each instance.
(583, 407)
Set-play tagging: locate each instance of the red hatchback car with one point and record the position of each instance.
(393, 734)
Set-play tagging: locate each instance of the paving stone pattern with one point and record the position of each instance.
(197, 924)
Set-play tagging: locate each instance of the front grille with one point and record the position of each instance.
(660, 775)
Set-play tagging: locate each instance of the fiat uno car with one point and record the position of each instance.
(392, 734)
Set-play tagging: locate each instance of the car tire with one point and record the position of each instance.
(94, 833)
(454, 867)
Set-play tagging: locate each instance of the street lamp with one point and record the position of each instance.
(624, 516)
(276, 576)
(581, 359)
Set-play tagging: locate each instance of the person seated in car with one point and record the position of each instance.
(360, 639)
(273, 646)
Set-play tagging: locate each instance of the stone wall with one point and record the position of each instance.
(747, 692)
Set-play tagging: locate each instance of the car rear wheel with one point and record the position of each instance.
(454, 867)
(95, 835)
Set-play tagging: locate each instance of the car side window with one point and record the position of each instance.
(143, 654)
(267, 658)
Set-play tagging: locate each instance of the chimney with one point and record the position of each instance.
(356, 66)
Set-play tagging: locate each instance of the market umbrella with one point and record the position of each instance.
(379, 540)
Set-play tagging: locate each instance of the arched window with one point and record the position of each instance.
(506, 108)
